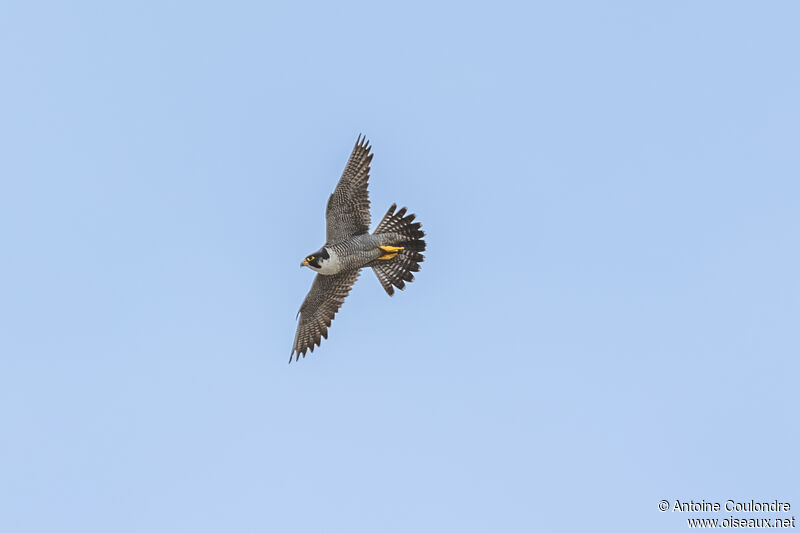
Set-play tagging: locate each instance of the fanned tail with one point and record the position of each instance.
(407, 234)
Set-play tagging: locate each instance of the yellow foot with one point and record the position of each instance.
(391, 252)
(391, 249)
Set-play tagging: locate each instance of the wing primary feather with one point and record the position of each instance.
(323, 301)
(348, 213)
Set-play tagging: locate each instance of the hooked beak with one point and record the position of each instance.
(304, 263)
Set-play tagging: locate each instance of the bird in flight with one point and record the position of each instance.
(392, 251)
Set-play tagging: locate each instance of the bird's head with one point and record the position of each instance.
(314, 261)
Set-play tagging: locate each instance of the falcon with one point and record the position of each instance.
(392, 251)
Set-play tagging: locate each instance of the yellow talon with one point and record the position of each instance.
(391, 252)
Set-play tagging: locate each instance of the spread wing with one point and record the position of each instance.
(326, 296)
(348, 207)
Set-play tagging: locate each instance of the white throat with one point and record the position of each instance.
(329, 266)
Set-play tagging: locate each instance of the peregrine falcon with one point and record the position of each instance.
(392, 251)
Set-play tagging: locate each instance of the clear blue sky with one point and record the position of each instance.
(607, 316)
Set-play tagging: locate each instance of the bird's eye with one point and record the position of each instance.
(311, 258)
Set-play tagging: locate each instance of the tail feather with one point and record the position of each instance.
(408, 234)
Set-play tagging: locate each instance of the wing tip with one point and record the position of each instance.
(362, 142)
(295, 353)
